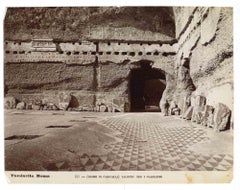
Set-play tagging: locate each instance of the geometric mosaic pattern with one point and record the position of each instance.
(149, 145)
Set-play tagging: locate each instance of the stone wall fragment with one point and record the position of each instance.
(207, 116)
(10, 102)
(222, 117)
(188, 114)
(64, 100)
(21, 106)
(199, 105)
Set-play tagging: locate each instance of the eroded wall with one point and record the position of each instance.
(95, 73)
(71, 23)
(206, 41)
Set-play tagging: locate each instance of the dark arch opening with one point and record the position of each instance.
(146, 86)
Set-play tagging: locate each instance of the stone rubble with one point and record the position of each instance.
(64, 101)
(194, 109)
(198, 109)
(222, 117)
(21, 106)
(10, 102)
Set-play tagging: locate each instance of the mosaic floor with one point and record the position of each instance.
(149, 144)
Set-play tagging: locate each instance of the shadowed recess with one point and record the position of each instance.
(59, 126)
(19, 137)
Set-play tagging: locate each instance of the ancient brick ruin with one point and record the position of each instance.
(127, 69)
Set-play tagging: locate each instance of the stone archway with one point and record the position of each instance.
(146, 86)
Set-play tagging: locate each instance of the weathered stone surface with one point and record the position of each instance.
(35, 107)
(168, 93)
(86, 108)
(186, 103)
(44, 101)
(111, 102)
(198, 109)
(222, 117)
(45, 77)
(80, 20)
(210, 24)
(95, 109)
(29, 106)
(174, 109)
(21, 106)
(110, 108)
(63, 105)
(197, 116)
(64, 100)
(200, 102)
(184, 78)
(185, 85)
(188, 114)
(207, 117)
(210, 120)
(38, 102)
(126, 107)
(210, 52)
(173, 104)
(116, 110)
(38, 105)
(45, 107)
(10, 103)
(52, 106)
(103, 108)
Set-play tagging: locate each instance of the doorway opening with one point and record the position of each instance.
(146, 87)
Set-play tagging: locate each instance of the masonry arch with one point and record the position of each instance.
(146, 86)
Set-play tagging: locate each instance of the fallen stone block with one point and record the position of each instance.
(64, 100)
(70, 109)
(63, 105)
(210, 120)
(29, 106)
(174, 109)
(103, 108)
(38, 102)
(222, 117)
(45, 107)
(44, 101)
(35, 107)
(95, 109)
(207, 115)
(10, 102)
(52, 106)
(21, 106)
(199, 106)
(85, 108)
(188, 114)
(186, 103)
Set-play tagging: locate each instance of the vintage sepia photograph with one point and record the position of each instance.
(120, 89)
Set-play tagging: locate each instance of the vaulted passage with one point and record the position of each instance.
(146, 88)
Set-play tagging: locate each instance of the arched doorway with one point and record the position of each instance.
(146, 87)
